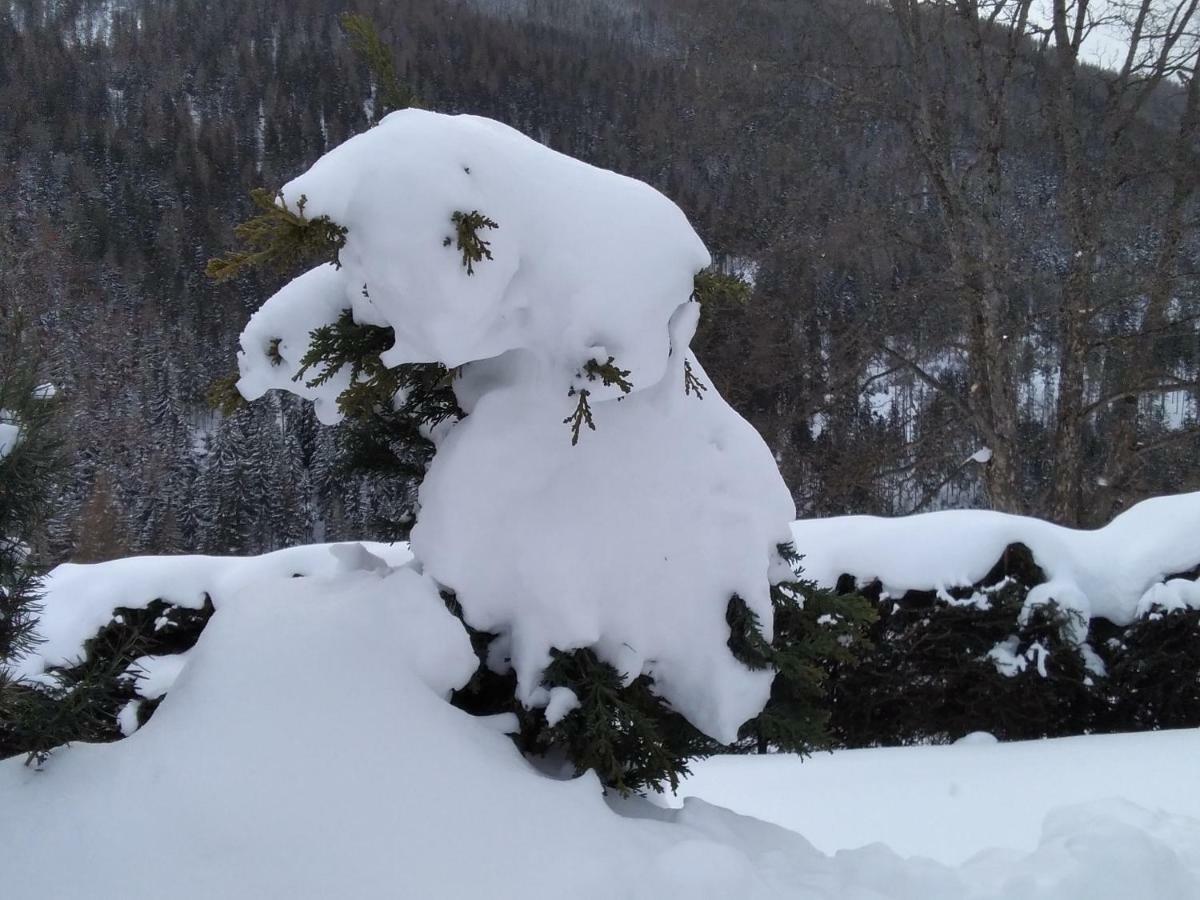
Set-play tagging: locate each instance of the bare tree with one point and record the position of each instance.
(1126, 146)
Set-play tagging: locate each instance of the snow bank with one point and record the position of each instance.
(307, 751)
(628, 534)
(1115, 572)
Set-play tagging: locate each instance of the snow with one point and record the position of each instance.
(562, 701)
(1116, 572)
(78, 600)
(629, 536)
(977, 800)
(9, 433)
(307, 751)
(157, 674)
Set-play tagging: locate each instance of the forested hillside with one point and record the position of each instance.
(973, 285)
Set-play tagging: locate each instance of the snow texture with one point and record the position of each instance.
(260, 775)
(1116, 572)
(632, 540)
(157, 674)
(976, 798)
(79, 599)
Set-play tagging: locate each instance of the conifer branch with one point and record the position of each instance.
(582, 415)
(713, 287)
(692, 384)
(368, 46)
(372, 384)
(608, 373)
(473, 248)
(280, 239)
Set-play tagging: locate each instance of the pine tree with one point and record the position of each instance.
(35, 718)
(816, 632)
(29, 460)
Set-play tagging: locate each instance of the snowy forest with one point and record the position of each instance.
(135, 131)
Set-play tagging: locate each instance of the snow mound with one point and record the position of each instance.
(1115, 572)
(628, 533)
(307, 751)
(79, 599)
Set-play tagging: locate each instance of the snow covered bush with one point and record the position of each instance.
(1016, 626)
(595, 512)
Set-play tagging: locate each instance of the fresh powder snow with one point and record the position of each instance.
(307, 750)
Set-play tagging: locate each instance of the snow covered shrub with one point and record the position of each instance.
(1154, 672)
(944, 666)
(593, 505)
(817, 633)
(60, 706)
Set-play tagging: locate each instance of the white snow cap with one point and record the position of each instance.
(630, 542)
(1116, 571)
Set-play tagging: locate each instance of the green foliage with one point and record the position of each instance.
(80, 704)
(427, 394)
(1154, 672)
(368, 46)
(82, 701)
(473, 247)
(716, 289)
(628, 735)
(609, 373)
(691, 383)
(929, 676)
(581, 416)
(224, 396)
(27, 473)
(816, 632)
(279, 239)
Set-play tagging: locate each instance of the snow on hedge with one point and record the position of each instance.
(307, 751)
(80, 599)
(630, 534)
(1116, 572)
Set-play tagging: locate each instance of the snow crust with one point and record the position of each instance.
(629, 537)
(307, 751)
(1116, 572)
